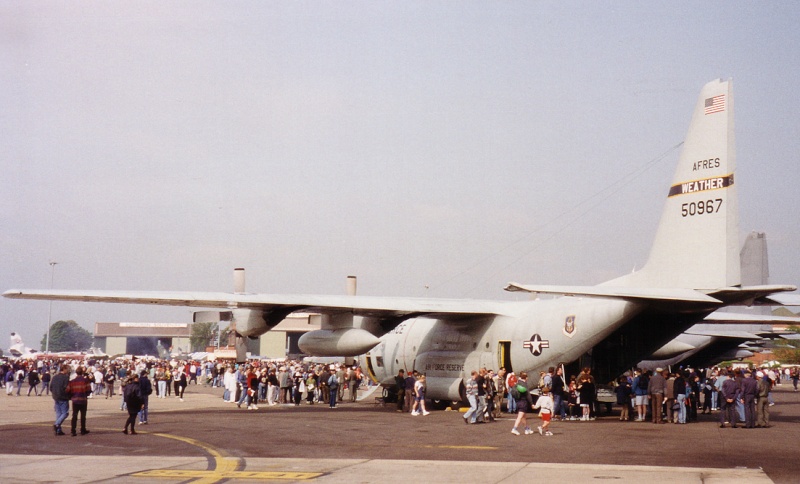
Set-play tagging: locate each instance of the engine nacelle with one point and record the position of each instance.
(211, 316)
(250, 322)
(337, 342)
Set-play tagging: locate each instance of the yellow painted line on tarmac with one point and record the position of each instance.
(208, 448)
(461, 447)
(215, 476)
(224, 468)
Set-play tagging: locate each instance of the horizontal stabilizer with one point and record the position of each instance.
(785, 299)
(749, 295)
(742, 335)
(720, 317)
(633, 293)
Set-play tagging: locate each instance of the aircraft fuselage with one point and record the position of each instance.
(534, 336)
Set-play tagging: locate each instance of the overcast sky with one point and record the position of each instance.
(430, 148)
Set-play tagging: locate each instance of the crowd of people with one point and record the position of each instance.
(740, 395)
(660, 396)
(289, 382)
(78, 381)
(136, 379)
(410, 388)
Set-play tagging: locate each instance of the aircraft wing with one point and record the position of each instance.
(367, 306)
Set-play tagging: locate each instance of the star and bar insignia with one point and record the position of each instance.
(536, 344)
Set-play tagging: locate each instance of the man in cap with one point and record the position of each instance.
(749, 394)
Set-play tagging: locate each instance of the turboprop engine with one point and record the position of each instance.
(337, 342)
(247, 322)
(250, 323)
(338, 336)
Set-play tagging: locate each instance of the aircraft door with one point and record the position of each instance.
(370, 368)
(504, 355)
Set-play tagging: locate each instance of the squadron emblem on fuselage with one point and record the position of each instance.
(569, 326)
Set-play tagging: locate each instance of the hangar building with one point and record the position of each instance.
(144, 338)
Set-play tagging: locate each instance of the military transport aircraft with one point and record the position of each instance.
(693, 270)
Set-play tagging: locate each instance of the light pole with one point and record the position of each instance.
(50, 311)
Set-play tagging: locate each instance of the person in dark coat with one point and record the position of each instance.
(749, 394)
(145, 390)
(58, 385)
(33, 382)
(730, 393)
(624, 392)
(132, 394)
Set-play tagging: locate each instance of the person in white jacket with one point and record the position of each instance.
(545, 406)
(229, 383)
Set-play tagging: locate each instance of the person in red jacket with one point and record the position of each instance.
(79, 390)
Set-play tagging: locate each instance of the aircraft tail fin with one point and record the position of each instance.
(696, 244)
(755, 260)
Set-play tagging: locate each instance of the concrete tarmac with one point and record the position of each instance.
(203, 439)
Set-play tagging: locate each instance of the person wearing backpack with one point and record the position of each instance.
(333, 388)
(524, 401)
(640, 383)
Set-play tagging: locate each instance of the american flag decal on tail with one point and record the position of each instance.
(715, 104)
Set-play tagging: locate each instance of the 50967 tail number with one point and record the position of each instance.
(701, 208)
